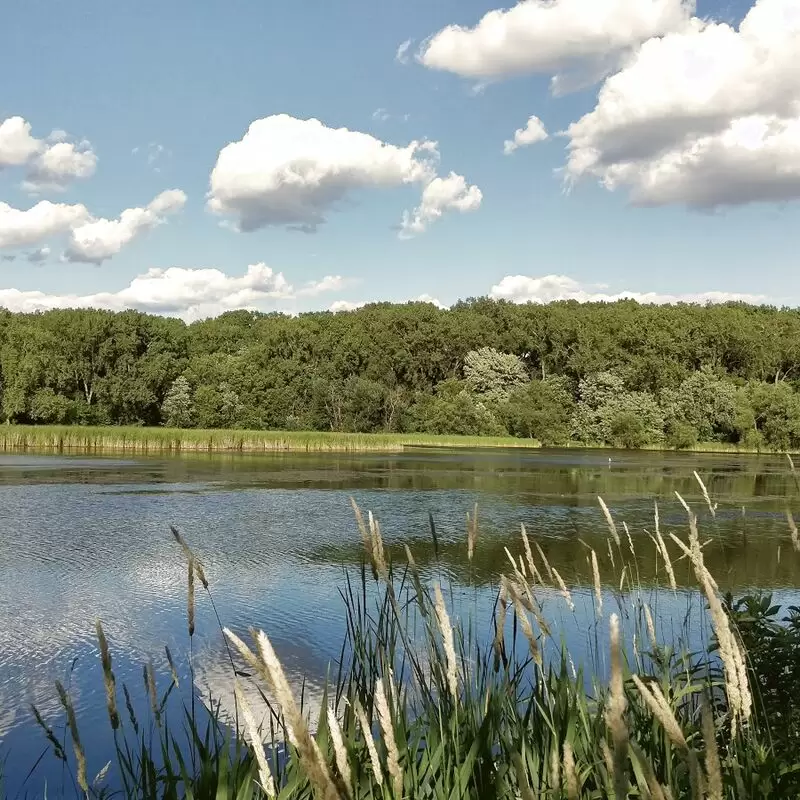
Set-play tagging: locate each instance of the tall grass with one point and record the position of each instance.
(157, 440)
(423, 705)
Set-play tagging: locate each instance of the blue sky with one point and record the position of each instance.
(156, 90)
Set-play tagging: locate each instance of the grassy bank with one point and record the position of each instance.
(421, 705)
(137, 439)
(156, 440)
(699, 447)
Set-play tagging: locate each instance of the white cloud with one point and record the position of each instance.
(288, 171)
(99, 239)
(22, 228)
(707, 116)
(534, 131)
(292, 172)
(54, 168)
(441, 194)
(426, 298)
(380, 115)
(402, 51)
(551, 36)
(52, 162)
(330, 283)
(550, 288)
(39, 256)
(346, 305)
(17, 145)
(189, 293)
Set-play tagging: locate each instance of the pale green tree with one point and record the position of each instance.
(177, 410)
(492, 374)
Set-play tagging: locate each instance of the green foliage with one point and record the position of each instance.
(691, 375)
(452, 409)
(704, 403)
(775, 413)
(50, 408)
(540, 410)
(610, 414)
(177, 410)
(773, 647)
(493, 375)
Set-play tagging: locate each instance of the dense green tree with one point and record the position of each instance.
(452, 409)
(608, 413)
(704, 403)
(620, 373)
(541, 409)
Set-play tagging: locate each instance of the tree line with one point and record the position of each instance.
(618, 373)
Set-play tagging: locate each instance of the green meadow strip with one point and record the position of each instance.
(159, 440)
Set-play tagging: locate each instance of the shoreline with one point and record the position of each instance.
(65, 438)
(21, 438)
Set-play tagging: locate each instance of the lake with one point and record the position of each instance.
(85, 538)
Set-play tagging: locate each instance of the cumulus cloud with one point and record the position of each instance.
(17, 145)
(60, 164)
(550, 288)
(534, 131)
(99, 239)
(188, 293)
(346, 305)
(22, 228)
(551, 36)
(707, 116)
(292, 172)
(52, 163)
(441, 194)
(426, 298)
(353, 305)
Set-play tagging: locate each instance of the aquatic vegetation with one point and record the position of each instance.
(63, 438)
(421, 704)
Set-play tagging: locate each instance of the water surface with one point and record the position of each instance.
(85, 538)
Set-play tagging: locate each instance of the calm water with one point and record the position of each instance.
(83, 538)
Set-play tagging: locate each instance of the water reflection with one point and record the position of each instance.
(83, 538)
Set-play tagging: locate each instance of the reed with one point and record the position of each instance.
(430, 709)
(172, 440)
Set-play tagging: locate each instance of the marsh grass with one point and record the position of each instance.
(65, 438)
(422, 705)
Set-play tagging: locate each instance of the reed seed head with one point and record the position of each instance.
(256, 744)
(387, 728)
(310, 755)
(568, 770)
(609, 520)
(366, 731)
(446, 629)
(659, 707)
(72, 722)
(339, 751)
(598, 592)
(108, 677)
(615, 712)
(713, 769)
(562, 587)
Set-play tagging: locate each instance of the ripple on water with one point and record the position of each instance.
(84, 539)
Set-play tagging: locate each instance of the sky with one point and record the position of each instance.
(190, 158)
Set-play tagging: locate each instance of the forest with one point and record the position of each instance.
(622, 374)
